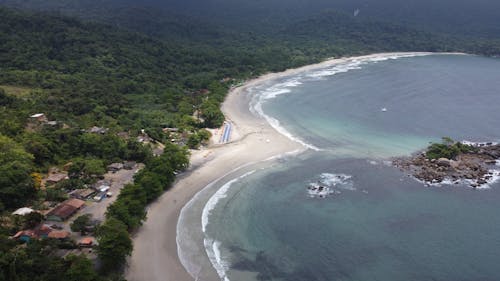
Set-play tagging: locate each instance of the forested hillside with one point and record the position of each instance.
(466, 17)
(108, 73)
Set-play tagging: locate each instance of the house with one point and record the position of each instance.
(25, 235)
(76, 203)
(61, 213)
(86, 242)
(82, 193)
(97, 130)
(23, 211)
(59, 234)
(55, 124)
(56, 177)
(65, 210)
(39, 117)
(41, 231)
(170, 130)
(115, 167)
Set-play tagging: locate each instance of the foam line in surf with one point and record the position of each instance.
(220, 194)
(261, 95)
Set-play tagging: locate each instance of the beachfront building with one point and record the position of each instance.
(41, 231)
(65, 210)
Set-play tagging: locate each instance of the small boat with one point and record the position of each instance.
(384, 109)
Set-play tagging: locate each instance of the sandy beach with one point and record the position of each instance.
(155, 249)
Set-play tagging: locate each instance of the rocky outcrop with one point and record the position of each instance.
(475, 167)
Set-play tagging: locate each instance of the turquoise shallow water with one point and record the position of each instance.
(379, 224)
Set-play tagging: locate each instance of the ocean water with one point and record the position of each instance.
(374, 222)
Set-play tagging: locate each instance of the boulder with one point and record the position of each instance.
(444, 162)
(454, 164)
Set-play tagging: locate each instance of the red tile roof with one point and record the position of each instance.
(62, 211)
(77, 203)
(42, 230)
(86, 241)
(59, 234)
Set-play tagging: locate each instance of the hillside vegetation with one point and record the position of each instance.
(128, 70)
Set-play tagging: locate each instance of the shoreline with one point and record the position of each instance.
(155, 255)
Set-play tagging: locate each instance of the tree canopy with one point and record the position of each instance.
(114, 244)
(16, 166)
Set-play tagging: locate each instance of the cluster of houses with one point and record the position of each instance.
(66, 209)
(53, 225)
(43, 231)
(39, 232)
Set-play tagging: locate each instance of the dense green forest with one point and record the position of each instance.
(133, 69)
(477, 18)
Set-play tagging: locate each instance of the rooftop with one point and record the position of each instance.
(86, 241)
(76, 203)
(62, 211)
(23, 211)
(56, 234)
(57, 177)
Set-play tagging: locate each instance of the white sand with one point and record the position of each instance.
(155, 248)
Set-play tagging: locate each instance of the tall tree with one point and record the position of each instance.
(80, 269)
(114, 244)
(16, 184)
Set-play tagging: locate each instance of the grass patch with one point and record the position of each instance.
(16, 91)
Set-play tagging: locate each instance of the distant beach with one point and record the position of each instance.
(253, 139)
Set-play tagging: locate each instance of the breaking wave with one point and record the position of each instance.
(260, 95)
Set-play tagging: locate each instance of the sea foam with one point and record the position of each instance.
(329, 184)
(184, 247)
(220, 194)
(213, 247)
(341, 181)
(214, 254)
(261, 95)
